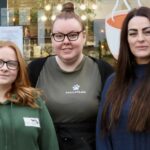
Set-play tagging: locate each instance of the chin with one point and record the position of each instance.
(142, 54)
(68, 56)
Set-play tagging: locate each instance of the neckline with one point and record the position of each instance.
(75, 70)
(140, 70)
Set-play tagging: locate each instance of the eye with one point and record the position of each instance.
(132, 33)
(1, 62)
(73, 35)
(58, 35)
(12, 63)
(147, 32)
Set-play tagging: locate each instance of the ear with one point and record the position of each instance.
(84, 36)
(52, 42)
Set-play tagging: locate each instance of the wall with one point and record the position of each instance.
(3, 4)
(105, 6)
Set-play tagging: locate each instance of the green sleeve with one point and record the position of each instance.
(48, 138)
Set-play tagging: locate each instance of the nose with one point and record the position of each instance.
(140, 37)
(4, 67)
(66, 40)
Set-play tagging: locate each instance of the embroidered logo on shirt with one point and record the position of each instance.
(75, 90)
(76, 87)
(31, 122)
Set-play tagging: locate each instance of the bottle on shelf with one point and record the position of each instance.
(36, 49)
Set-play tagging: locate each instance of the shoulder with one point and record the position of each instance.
(110, 79)
(37, 62)
(40, 102)
(34, 69)
(105, 69)
(102, 63)
(108, 83)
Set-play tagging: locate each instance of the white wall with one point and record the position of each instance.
(105, 6)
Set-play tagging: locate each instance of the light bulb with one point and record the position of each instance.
(29, 18)
(83, 17)
(82, 7)
(43, 18)
(94, 6)
(59, 7)
(53, 17)
(47, 7)
(14, 19)
(102, 31)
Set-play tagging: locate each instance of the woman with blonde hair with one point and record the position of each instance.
(71, 82)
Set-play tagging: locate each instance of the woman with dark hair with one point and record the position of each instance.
(71, 82)
(124, 115)
(25, 123)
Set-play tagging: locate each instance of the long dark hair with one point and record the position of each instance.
(139, 115)
(68, 13)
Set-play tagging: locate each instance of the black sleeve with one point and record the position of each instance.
(34, 69)
(105, 69)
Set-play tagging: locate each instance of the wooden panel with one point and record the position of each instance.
(22, 3)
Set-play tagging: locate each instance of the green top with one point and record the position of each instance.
(26, 128)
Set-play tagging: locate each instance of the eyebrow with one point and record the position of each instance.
(68, 32)
(136, 29)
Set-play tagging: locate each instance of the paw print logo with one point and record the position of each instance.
(76, 87)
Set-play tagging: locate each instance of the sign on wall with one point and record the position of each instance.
(14, 34)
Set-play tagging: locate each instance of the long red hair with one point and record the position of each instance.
(21, 91)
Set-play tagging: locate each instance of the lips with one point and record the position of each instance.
(67, 50)
(1, 75)
(142, 47)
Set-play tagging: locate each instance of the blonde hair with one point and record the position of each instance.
(67, 12)
(21, 91)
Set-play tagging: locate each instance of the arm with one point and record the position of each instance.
(105, 69)
(103, 142)
(108, 69)
(34, 69)
(48, 138)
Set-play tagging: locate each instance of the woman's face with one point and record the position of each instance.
(139, 39)
(67, 50)
(9, 70)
